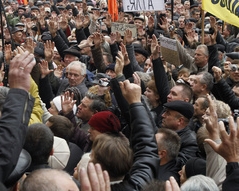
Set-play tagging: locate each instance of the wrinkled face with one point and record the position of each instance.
(191, 79)
(139, 58)
(68, 58)
(93, 133)
(53, 110)
(197, 86)
(84, 112)
(175, 94)
(74, 76)
(152, 97)
(182, 174)
(170, 119)
(181, 23)
(234, 75)
(199, 111)
(200, 58)
(17, 36)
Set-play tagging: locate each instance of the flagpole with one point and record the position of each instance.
(172, 4)
(202, 27)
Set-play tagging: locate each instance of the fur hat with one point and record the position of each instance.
(105, 121)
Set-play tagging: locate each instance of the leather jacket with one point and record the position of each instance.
(143, 143)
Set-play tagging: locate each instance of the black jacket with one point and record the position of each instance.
(146, 160)
(13, 126)
(231, 183)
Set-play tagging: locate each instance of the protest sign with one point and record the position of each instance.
(122, 27)
(169, 50)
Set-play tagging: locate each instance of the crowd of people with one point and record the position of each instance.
(85, 107)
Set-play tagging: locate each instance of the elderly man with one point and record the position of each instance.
(75, 73)
(176, 117)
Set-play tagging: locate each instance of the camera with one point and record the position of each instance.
(235, 114)
(171, 28)
(234, 68)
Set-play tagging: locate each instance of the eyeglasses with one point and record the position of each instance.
(234, 68)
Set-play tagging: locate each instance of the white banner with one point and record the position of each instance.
(143, 5)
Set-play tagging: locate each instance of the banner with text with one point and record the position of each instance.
(226, 10)
(122, 27)
(169, 50)
(143, 5)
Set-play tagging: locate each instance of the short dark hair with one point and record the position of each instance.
(39, 143)
(170, 141)
(61, 127)
(186, 91)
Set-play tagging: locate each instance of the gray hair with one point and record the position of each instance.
(80, 64)
(204, 48)
(207, 79)
(199, 183)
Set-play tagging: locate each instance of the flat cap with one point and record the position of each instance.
(182, 107)
(233, 55)
(72, 51)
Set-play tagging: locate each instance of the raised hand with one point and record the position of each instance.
(49, 50)
(229, 147)
(94, 179)
(97, 39)
(127, 88)
(128, 37)
(125, 54)
(67, 102)
(29, 45)
(119, 64)
(19, 70)
(44, 69)
(211, 120)
(155, 49)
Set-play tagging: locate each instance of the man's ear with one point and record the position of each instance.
(162, 153)
(52, 151)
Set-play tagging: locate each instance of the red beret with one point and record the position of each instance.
(104, 122)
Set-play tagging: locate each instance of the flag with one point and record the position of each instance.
(113, 9)
(226, 10)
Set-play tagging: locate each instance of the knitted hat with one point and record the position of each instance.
(185, 108)
(105, 121)
(195, 166)
(61, 154)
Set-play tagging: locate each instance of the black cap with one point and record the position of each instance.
(21, 7)
(16, 29)
(110, 67)
(221, 47)
(139, 49)
(61, 7)
(74, 50)
(39, 51)
(233, 55)
(195, 166)
(182, 107)
(39, 3)
(46, 36)
(35, 8)
(78, 1)
(194, 5)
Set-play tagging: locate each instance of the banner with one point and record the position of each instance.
(226, 10)
(122, 27)
(143, 5)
